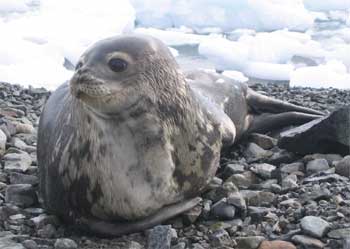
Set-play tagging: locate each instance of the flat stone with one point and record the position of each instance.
(22, 195)
(18, 178)
(326, 178)
(343, 167)
(251, 242)
(264, 170)
(343, 233)
(17, 162)
(243, 181)
(65, 244)
(237, 200)
(263, 141)
(292, 167)
(255, 152)
(316, 166)
(258, 198)
(192, 215)
(308, 242)
(24, 128)
(276, 244)
(314, 226)
(232, 169)
(160, 237)
(329, 134)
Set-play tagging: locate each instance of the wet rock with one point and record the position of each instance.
(326, 135)
(220, 238)
(65, 244)
(277, 244)
(316, 166)
(314, 226)
(307, 242)
(250, 242)
(263, 170)
(343, 167)
(160, 237)
(263, 141)
(22, 195)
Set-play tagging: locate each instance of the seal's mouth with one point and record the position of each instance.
(87, 85)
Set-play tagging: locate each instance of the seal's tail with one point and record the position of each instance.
(272, 114)
(261, 103)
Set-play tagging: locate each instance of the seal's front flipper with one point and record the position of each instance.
(269, 122)
(111, 229)
(261, 103)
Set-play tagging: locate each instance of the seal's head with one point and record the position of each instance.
(119, 73)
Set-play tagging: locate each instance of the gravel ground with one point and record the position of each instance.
(263, 196)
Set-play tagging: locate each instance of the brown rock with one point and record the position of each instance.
(277, 244)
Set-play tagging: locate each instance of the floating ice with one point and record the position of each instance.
(225, 14)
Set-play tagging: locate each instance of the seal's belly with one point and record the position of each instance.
(135, 177)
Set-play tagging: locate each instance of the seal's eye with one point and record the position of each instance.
(117, 65)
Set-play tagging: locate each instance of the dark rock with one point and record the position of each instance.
(325, 135)
(48, 231)
(18, 178)
(222, 210)
(232, 169)
(22, 195)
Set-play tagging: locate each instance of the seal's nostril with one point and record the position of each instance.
(79, 65)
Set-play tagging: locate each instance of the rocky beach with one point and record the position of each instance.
(262, 197)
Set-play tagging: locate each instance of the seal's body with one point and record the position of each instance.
(131, 141)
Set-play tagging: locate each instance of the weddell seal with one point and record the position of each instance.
(132, 141)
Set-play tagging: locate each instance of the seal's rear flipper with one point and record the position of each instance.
(261, 103)
(112, 229)
(269, 122)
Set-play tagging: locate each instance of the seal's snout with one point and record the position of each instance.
(84, 82)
